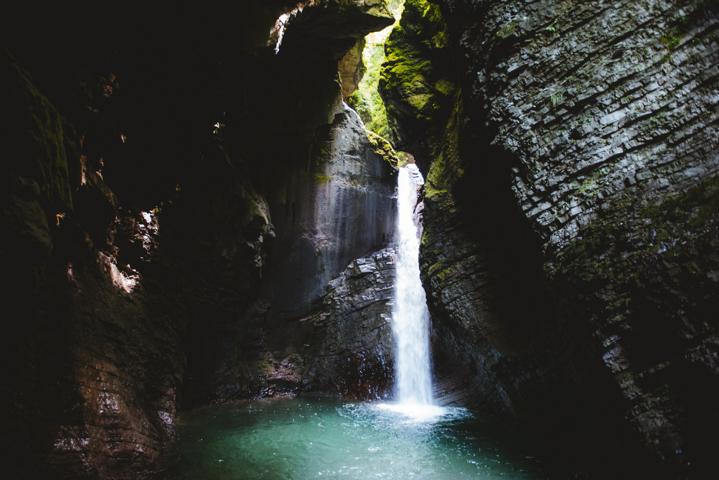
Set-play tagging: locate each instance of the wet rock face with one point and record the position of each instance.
(352, 351)
(326, 213)
(351, 69)
(91, 356)
(39, 179)
(570, 224)
(341, 348)
(339, 210)
(335, 25)
(152, 203)
(625, 114)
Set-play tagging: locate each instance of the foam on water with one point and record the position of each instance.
(418, 412)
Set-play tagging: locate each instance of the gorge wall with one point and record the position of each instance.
(189, 211)
(569, 251)
(192, 214)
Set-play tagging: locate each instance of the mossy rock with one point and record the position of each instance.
(34, 143)
(27, 229)
(608, 253)
(366, 100)
(383, 148)
(414, 81)
(445, 169)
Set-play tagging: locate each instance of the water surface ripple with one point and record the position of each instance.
(312, 439)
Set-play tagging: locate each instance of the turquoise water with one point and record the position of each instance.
(310, 439)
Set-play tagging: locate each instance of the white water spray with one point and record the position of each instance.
(410, 317)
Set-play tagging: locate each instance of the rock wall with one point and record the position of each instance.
(416, 79)
(329, 191)
(337, 207)
(570, 224)
(150, 192)
(91, 358)
(333, 209)
(353, 354)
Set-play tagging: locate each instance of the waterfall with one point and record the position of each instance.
(410, 317)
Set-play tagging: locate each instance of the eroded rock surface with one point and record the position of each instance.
(354, 352)
(340, 209)
(149, 187)
(570, 222)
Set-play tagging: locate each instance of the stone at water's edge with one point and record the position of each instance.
(342, 348)
(571, 221)
(351, 351)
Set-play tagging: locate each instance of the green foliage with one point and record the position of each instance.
(556, 98)
(39, 135)
(507, 30)
(409, 75)
(671, 39)
(366, 100)
(321, 179)
(384, 149)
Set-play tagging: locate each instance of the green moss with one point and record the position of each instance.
(439, 40)
(587, 186)
(694, 13)
(423, 102)
(321, 179)
(366, 100)
(384, 149)
(694, 208)
(591, 184)
(445, 168)
(444, 87)
(38, 135)
(630, 238)
(556, 98)
(410, 77)
(671, 39)
(26, 224)
(507, 30)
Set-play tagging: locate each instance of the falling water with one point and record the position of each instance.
(410, 318)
